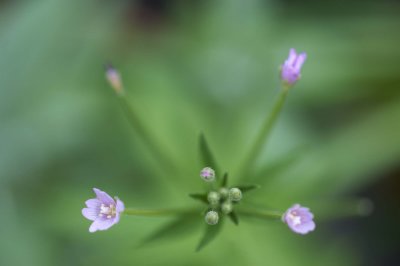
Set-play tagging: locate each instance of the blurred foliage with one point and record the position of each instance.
(191, 67)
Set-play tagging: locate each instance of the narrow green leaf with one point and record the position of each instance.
(209, 235)
(207, 157)
(182, 225)
(246, 188)
(224, 180)
(199, 196)
(234, 218)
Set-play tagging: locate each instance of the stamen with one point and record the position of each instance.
(109, 211)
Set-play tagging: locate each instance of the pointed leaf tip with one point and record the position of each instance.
(207, 157)
(224, 180)
(199, 196)
(246, 188)
(209, 235)
(234, 218)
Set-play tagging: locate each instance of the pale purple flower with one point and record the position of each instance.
(104, 211)
(290, 70)
(207, 174)
(299, 219)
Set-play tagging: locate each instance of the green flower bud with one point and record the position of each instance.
(207, 174)
(235, 194)
(227, 207)
(213, 197)
(212, 217)
(224, 192)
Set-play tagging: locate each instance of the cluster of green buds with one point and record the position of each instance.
(220, 198)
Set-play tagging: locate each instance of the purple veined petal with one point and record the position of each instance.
(305, 215)
(301, 58)
(120, 207)
(116, 218)
(103, 197)
(90, 213)
(101, 224)
(93, 203)
(292, 57)
(305, 228)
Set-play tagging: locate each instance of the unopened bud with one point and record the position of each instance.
(235, 194)
(227, 207)
(114, 79)
(224, 192)
(212, 217)
(290, 70)
(207, 174)
(213, 197)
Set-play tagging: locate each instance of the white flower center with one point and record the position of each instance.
(295, 218)
(107, 211)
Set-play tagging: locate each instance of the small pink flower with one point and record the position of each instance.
(104, 211)
(299, 219)
(290, 70)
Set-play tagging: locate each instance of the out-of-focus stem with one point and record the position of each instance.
(144, 134)
(156, 212)
(264, 133)
(342, 208)
(259, 213)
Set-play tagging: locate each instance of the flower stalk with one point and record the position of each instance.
(156, 212)
(144, 134)
(266, 129)
(262, 214)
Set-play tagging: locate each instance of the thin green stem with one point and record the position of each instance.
(260, 213)
(264, 133)
(156, 212)
(144, 134)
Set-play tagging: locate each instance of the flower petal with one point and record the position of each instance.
(300, 61)
(101, 224)
(90, 213)
(103, 197)
(292, 57)
(116, 218)
(294, 207)
(93, 203)
(120, 207)
(305, 228)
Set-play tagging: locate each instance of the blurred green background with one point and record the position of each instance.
(191, 67)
